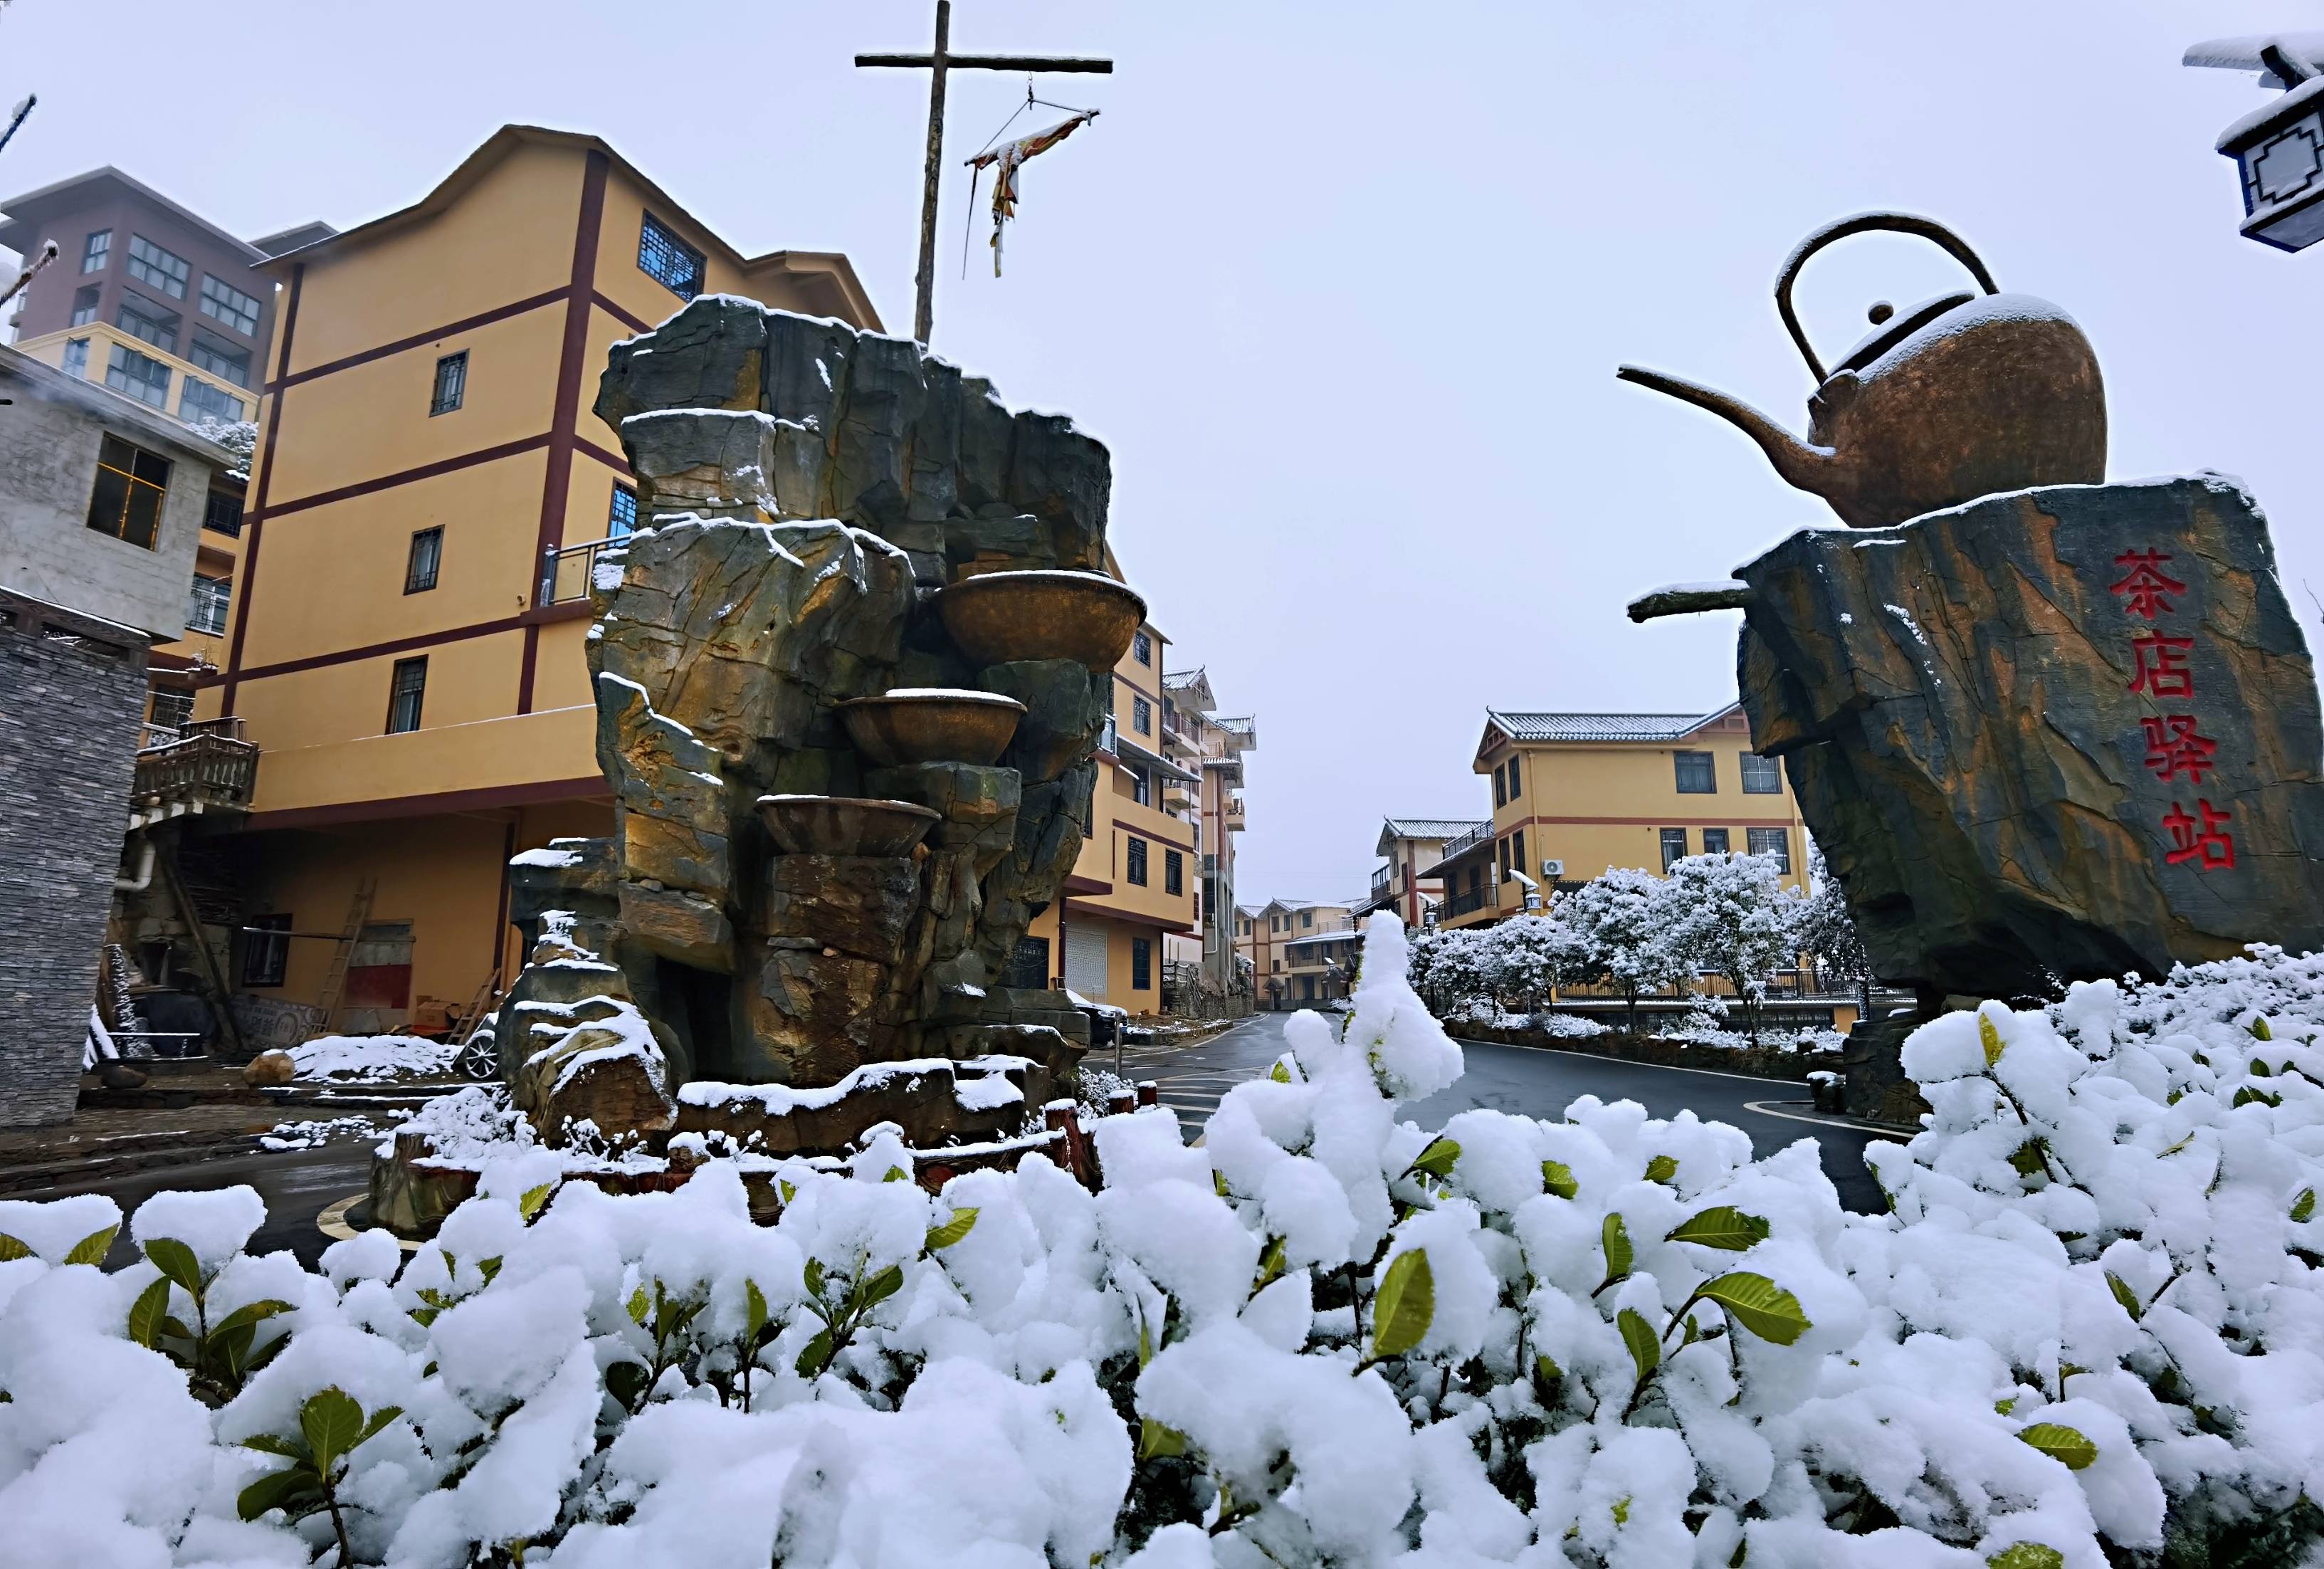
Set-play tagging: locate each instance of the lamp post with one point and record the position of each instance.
(2278, 147)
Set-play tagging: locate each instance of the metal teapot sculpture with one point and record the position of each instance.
(1958, 398)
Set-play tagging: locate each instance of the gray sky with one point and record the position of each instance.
(1343, 285)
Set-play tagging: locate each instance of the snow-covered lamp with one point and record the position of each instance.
(2279, 147)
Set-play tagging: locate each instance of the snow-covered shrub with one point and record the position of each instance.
(2092, 1328)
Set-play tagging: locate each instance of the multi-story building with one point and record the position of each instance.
(1285, 943)
(1160, 837)
(406, 641)
(1405, 883)
(1200, 738)
(1576, 793)
(165, 307)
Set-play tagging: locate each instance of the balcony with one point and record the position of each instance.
(566, 573)
(1181, 796)
(204, 766)
(1234, 813)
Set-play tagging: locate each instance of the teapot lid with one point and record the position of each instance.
(1891, 333)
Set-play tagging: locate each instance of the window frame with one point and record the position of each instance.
(1720, 848)
(87, 300)
(1705, 781)
(453, 368)
(434, 535)
(117, 362)
(228, 298)
(169, 282)
(186, 393)
(1141, 715)
(1133, 859)
(180, 702)
(266, 953)
(1500, 788)
(217, 502)
(218, 599)
(615, 512)
(1513, 775)
(74, 361)
(161, 318)
(651, 229)
(222, 360)
(1772, 774)
(1141, 646)
(96, 251)
(1173, 873)
(1756, 839)
(132, 479)
(1673, 839)
(1141, 964)
(417, 693)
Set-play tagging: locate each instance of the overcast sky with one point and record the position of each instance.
(1343, 285)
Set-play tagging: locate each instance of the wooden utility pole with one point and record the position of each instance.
(938, 62)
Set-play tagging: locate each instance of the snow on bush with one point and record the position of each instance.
(370, 1058)
(2090, 1333)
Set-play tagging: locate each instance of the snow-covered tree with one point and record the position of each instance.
(239, 437)
(1826, 930)
(1732, 915)
(1623, 919)
(1528, 956)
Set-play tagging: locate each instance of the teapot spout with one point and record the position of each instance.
(1806, 467)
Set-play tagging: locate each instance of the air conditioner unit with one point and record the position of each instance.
(1553, 869)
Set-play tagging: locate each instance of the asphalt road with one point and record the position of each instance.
(296, 1184)
(1536, 1082)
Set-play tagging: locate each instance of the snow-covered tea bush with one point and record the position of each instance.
(2092, 1333)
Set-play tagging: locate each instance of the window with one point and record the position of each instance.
(84, 306)
(200, 400)
(76, 362)
(1276, 967)
(221, 359)
(1141, 647)
(265, 950)
(622, 520)
(1516, 851)
(144, 378)
(1501, 850)
(1696, 776)
(129, 483)
(1173, 873)
(1141, 964)
(451, 384)
(1775, 842)
(97, 251)
(223, 302)
(420, 567)
(1134, 861)
(1307, 918)
(222, 515)
(1714, 840)
(405, 690)
(144, 319)
(1500, 786)
(149, 264)
(1513, 777)
(1762, 776)
(1141, 715)
(1673, 846)
(206, 612)
(1142, 787)
(171, 709)
(668, 261)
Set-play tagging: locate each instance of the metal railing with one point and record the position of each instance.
(565, 572)
(1482, 833)
(1456, 905)
(217, 769)
(1385, 879)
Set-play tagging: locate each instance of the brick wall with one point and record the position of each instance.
(68, 716)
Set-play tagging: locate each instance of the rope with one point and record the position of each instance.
(968, 228)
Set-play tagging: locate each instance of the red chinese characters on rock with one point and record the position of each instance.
(2175, 746)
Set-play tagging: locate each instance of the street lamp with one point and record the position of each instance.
(2278, 147)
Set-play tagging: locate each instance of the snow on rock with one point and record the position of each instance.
(2091, 1331)
(370, 1058)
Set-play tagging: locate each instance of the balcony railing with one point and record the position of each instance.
(1456, 905)
(1482, 833)
(1384, 879)
(209, 766)
(1234, 812)
(566, 573)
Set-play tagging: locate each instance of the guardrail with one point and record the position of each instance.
(215, 769)
(565, 571)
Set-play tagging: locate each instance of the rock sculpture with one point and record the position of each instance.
(832, 819)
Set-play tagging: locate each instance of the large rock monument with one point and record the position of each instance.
(2044, 731)
(849, 675)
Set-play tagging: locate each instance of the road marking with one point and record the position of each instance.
(1854, 1124)
(333, 1223)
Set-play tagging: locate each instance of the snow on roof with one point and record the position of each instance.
(1537, 727)
(1430, 828)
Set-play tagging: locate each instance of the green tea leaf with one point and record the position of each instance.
(2247, 1096)
(1661, 1169)
(1725, 1227)
(2027, 1556)
(332, 1422)
(1438, 1159)
(627, 1382)
(1271, 1265)
(92, 1248)
(1759, 1306)
(1546, 1368)
(640, 1305)
(2006, 1407)
(788, 1192)
(1219, 1183)
(2125, 1294)
(1558, 1178)
(534, 1201)
(2303, 1206)
(10, 1249)
(961, 1223)
(177, 1262)
(1279, 1074)
(489, 1268)
(2260, 1070)
(884, 1285)
(1405, 1304)
(274, 1444)
(248, 1316)
(146, 1314)
(273, 1492)
(2259, 1027)
(814, 1277)
(1155, 1442)
(896, 1174)
(1619, 1254)
(754, 1304)
(379, 1419)
(1990, 1038)
(2061, 1442)
(1645, 1345)
(816, 1356)
(2027, 1159)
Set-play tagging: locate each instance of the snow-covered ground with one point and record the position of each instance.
(2092, 1326)
(371, 1058)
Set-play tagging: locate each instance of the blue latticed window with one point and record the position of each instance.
(669, 260)
(624, 515)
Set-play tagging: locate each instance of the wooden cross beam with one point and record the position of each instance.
(939, 62)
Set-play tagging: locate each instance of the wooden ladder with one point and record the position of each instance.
(478, 1005)
(334, 983)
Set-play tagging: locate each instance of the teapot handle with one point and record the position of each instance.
(1840, 229)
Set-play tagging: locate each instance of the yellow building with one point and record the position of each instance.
(1573, 794)
(1405, 882)
(1161, 833)
(1293, 953)
(405, 642)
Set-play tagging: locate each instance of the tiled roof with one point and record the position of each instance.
(1601, 726)
(1430, 828)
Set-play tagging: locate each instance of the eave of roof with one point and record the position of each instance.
(31, 208)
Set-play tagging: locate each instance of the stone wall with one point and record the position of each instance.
(67, 750)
